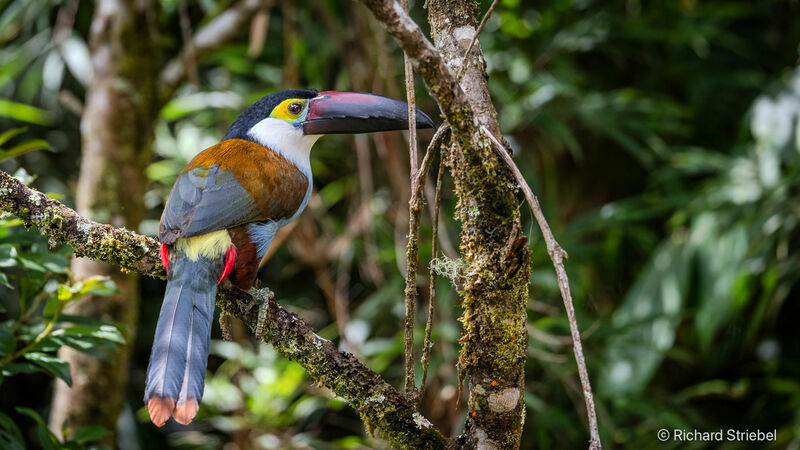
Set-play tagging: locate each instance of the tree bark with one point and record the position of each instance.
(497, 264)
(117, 134)
(495, 252)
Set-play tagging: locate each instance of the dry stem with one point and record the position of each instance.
(426, 345)
(411, 282)
(414, 210)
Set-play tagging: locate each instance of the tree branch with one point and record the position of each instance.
(442, 85)
(382, 407)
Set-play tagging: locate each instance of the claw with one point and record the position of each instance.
(261, 297)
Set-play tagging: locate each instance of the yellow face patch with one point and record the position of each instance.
(290, 109)
(210, 246)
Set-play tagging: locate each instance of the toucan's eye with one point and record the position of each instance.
(295, 108)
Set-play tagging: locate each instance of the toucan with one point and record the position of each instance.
(224, 211)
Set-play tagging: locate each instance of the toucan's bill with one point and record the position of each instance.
(334, 112)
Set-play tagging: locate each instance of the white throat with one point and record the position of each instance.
(286, 139)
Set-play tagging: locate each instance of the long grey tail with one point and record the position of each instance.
(177, 369)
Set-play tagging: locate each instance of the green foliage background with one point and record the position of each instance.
(662, 137)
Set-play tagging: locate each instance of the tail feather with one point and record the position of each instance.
(177, 369)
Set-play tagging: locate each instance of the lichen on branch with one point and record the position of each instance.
(62, 225)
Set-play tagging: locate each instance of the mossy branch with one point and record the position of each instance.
(382, 407)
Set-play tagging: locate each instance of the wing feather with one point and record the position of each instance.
(232, 183)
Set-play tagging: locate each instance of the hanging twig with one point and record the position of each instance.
(475, 38)
(411, 282)
(426, 345)
(412, 248)
(412, 109)
(557, 255)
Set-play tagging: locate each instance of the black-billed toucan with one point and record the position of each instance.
(223, 212)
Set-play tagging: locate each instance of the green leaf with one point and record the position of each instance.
(4, 282)
(8, 425)
(31, 265)
(15, 368)
(98, 285)
(52, 365)
(7, 342)
(7, 441)
(105, 332)
(645, 324)
(25, 147)
(52, 306)
(64, 293)
(47, 439)
(47, 345)
(8, 255)
(8, 134)
(721, 255)
(98, 348)
(88, 434)
(24, 113)
(80, 320)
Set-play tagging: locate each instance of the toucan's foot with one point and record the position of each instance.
(261, 297)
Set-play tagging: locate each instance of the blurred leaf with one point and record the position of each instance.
(644, 325)
(8, 134)
(25, 147)
(182, 106)
(105, 332)
(8, 425)
(64, 293)
(24, 113)
(10, 442)
(76, 55)
(53, 71)
(88, 434)
(8, 255)
(52, 365)
(721, 255)
(46, 438)
(98, 285)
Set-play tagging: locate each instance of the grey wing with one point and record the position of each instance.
(205, 200)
